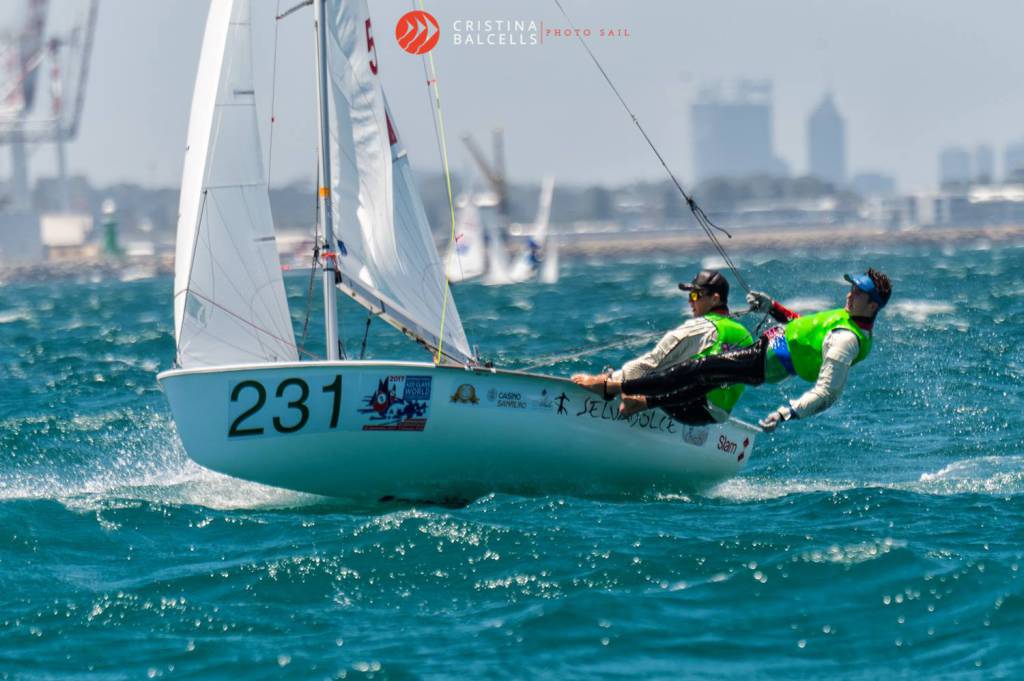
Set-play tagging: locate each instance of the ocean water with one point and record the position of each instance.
(883, 538)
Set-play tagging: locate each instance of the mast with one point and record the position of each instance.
(324, 190)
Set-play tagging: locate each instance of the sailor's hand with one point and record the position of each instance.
(759, 302)
(768, 423)
(631, 404)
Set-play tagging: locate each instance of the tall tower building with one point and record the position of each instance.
(1013, 162)
(984, 164)
(732, 133)
(954, 168)
(826, 143)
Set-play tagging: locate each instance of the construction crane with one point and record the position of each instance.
(21, 60)
(494, 174)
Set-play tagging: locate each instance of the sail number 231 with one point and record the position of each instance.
(291, 409)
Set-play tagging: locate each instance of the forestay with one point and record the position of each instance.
(387, 256)
(229, 299)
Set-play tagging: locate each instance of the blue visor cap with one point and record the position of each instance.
(863, 282)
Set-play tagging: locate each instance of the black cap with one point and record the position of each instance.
(709, 281)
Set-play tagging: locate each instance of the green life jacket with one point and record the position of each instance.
(731, 334)
(806, 335)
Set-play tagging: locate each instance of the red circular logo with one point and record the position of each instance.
(417, 32)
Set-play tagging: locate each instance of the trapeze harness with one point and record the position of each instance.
(693, 408)
(781, 352)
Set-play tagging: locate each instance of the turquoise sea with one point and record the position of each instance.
(881, 539)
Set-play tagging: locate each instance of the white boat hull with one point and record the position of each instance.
(371, 430)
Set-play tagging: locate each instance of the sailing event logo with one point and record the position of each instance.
(398, 403)
(417, 32)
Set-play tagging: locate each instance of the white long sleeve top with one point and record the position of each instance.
(838, 351)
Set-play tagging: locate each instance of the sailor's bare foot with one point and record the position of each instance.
(631, 404)
(592, 383)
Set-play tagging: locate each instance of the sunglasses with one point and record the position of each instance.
(695, 295)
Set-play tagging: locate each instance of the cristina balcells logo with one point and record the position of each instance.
(495, 32)
(524, 32)
(417, 32)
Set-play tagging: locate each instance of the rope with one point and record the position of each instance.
(273, 93)
(590, 350)
(316, 259)
(439, 127)
(698, 213)
(366, 333)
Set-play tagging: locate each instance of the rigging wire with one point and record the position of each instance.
(273, 93)
(316, 258)
(705, 223)
(439, 128)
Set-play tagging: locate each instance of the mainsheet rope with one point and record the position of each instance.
(439, 131)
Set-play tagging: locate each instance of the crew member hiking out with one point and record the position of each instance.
(710, 332)
(819, 348)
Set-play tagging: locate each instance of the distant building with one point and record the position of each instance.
(1013, 162)
(873, 184)
(954, 168)
(984, 165)
(732, 134)
(826, 143)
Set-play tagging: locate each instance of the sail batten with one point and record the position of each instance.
(229, 299)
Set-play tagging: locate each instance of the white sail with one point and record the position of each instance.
(547, 191)
(498, 265)
(531, 261)
(467, 257)
(229, 299)
(549, 270)
(387, 256)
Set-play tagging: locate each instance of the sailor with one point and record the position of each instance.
(819, 348)
(710, 332)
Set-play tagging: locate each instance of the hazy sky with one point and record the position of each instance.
(909, 76)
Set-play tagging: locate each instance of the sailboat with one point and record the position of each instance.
(479, 250)
(539, 259)
(450, 428)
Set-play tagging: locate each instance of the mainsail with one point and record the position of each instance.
(387, 256)
(229, 299)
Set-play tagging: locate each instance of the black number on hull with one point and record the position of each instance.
(335, 387)
(299, 404)
(261, 399)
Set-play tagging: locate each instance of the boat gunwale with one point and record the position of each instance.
(494, 371)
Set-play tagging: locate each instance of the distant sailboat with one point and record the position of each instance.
(537, 259)
(479, 251)
(244, 404)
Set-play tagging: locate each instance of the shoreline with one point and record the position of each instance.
(783, 239)
(608, 246)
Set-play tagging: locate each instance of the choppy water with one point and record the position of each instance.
(883, 538)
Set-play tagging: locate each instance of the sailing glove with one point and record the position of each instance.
(759, 302)
(773, 419)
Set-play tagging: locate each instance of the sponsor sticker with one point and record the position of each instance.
(398, 403)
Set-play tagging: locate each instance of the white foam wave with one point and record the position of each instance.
(994, 475)
(745, 489)
(979, 475)
(809, 304)
(714, 262)
(19, 315)
(919, 310)
(145, 465)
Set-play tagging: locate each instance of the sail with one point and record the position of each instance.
(387, 256)
(532, 259)
(498, 265)
(467, 258)
(229, 299)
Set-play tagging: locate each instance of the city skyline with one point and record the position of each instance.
(904, 100)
